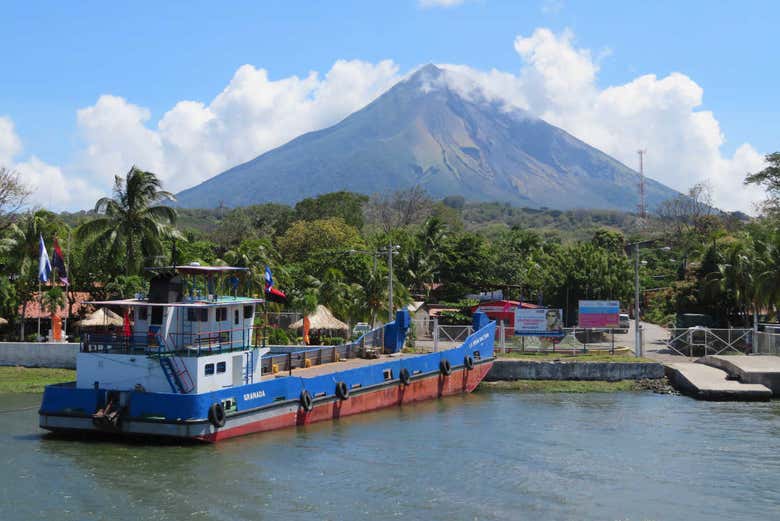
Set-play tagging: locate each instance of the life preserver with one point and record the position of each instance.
(217, 414)
(468, 362)
(445, 367)
(306, 401)
(342, 391)
(404, 376)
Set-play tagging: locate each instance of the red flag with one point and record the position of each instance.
(126, 323)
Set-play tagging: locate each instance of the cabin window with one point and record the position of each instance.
(221, 367)
(208, 369)
(198, 315)
(221, 314)
(235, 316)
(248, 312)
(142, 314)
(157, 315)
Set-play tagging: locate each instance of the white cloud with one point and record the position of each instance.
(440, 3)
(47, 182)
(10, 144)
(558, 82)
(54, 190)
(194, 141)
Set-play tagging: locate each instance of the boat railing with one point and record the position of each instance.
(116, 342)
(287, 358)
(183, 344)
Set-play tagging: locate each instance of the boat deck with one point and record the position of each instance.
(343, 365)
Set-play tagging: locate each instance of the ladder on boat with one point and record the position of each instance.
(175, 371)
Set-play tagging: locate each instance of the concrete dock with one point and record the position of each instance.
(703, 382)
(763, 370)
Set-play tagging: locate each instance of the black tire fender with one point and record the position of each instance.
(342, 390)
(306, 401)
(445, 367)
(468, 362)
(217, 414)
(404, 376)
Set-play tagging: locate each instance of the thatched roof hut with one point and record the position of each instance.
(101, 317)
(322, 318)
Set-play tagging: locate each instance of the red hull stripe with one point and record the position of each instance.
(435, 386)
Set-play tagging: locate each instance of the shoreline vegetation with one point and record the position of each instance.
(659, 386)
(578, 357)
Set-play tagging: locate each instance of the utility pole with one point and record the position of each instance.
(637, 332)
(642, 208)
(390, 281)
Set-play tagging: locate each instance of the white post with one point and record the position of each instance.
(637, 324)
(435, 334)
(40, 309)
(502, 337)
(390, 281)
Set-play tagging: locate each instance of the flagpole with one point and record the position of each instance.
(40, 309)
(67, 301)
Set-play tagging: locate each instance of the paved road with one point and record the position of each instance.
(655, 338)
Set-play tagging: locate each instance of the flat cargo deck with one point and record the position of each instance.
(343, 365)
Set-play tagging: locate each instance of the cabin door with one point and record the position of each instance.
(238, 370)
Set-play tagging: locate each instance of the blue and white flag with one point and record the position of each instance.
(44, 266)
(269, 281)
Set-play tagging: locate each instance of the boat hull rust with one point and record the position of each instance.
(429, 387)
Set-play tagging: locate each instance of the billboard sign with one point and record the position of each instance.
(599, 314)
(539, 322)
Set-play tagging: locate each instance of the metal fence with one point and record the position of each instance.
(765, 343)
(703, 341)
(573, 340)
(287, 358)
(283, 320)
(427, 335)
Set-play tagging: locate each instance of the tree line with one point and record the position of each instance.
(332, 250)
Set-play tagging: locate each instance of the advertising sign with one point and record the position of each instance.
(599, 314)
(539, 322)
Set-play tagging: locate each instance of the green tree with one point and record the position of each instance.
(24, 248)
(769, 179)
(307, 237)
(347, 205)
(130, 225)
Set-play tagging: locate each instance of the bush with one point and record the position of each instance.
(454, 318)
(278, 337)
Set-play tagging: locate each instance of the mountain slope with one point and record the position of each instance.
(423, 133)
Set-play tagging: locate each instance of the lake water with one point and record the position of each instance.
(490, 455)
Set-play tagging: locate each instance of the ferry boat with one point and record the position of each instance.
(193, 366)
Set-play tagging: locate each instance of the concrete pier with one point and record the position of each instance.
(763, 370)
(509, 369)
(710, 383)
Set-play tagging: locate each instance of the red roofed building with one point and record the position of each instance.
(35, 311)
(499, 310)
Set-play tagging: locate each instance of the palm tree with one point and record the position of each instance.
(23, 245)
(130, 226)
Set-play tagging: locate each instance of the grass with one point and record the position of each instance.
(560, 386)
(32, 380)
(579, 357)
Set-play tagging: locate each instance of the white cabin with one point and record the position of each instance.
(179, 341)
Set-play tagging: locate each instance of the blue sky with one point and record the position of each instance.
(59, 58)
